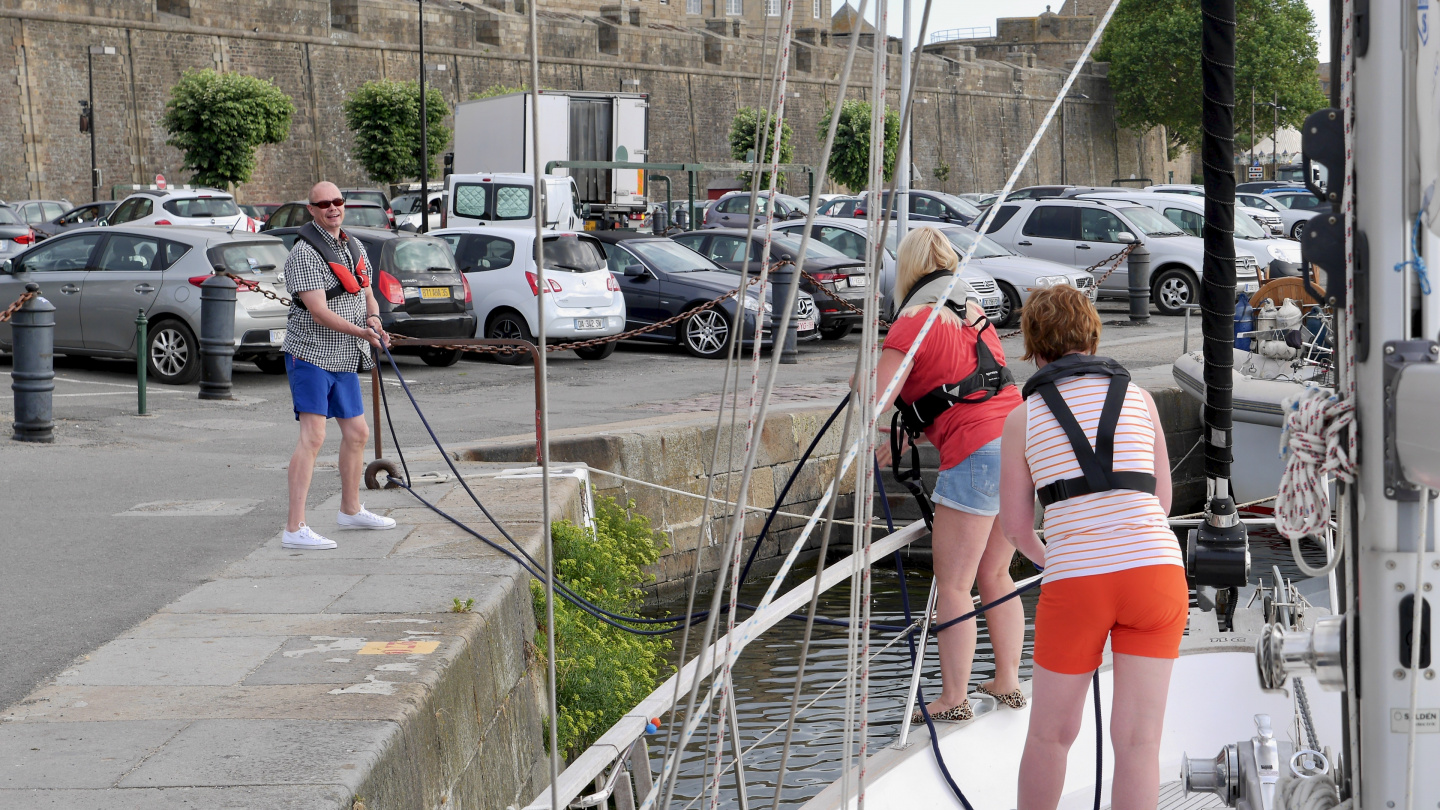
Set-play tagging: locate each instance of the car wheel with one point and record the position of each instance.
(1172, 290)
(706, 334)
(271, 364)
(172, 353)
(1009, 315)
(440, 358)
(510, 326)
(835, 331)
(600, 352)
(1297, 230)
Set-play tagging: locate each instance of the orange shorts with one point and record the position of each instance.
(1142, 610)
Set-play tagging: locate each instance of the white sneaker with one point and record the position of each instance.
(305, 539)
(364, 519)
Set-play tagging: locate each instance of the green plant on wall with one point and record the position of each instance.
(601, 671)
(742, 144)
(500, 90)
(850, 157)
(384, 117)
(217, 120)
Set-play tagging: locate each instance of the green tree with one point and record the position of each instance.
(850, 157)
(218, 119)
(384, 117)
(500, 90)
(1153, 47)
(742, 140)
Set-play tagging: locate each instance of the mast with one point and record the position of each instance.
(902, 157)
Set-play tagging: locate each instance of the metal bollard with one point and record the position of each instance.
(217, 337)
(32, 377)
(1139, 266)
(784, 276)
(142, 340)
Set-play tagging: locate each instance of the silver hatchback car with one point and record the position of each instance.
(99, 279)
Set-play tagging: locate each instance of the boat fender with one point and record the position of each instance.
(652, 726)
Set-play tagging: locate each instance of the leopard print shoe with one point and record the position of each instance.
(954, 714)
(1015, 699)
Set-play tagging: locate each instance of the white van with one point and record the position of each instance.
(508, 199)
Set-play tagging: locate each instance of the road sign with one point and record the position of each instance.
(160, 181)
(1256, 173)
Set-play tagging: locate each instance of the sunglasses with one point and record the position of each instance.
(323, 204)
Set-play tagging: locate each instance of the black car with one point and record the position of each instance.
(83, 216)
(841, 275)
(420, 290)
(661, 279)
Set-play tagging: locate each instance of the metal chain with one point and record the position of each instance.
(1116, 258)
(820, 285)
(15, 307)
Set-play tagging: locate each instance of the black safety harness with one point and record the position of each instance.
(988, 379)
(345, 278)
(1098, 463)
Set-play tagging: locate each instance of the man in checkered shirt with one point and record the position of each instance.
(327, 342)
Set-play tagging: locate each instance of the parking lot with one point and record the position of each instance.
(124, 513)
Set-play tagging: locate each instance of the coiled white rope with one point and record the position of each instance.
(1314, 450)
(1313, 793)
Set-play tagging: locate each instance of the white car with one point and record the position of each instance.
(1265, 215)
(583, 299)
(1016, 275)
(407, 209)
(849, 237)
(1082, 233)
(1281, 256)
(193, 207)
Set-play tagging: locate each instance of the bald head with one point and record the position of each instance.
(332, 214)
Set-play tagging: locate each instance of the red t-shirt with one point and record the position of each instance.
(948, 356)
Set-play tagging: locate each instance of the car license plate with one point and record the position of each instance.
(277, 335)
(857, 281)
(434, 292)
(589, 323)
(990, 302)
(804, 325)
(1249, 286)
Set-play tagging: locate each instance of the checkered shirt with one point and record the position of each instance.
(334, 351)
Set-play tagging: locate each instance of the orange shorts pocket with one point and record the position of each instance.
(1142, 611)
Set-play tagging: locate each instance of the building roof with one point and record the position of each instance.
(845, 21)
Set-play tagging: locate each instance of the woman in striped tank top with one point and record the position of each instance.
(1113, 568)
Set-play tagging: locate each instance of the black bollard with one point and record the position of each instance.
(1139, 266)
(32, 377)
(784, 276)
(217, 336)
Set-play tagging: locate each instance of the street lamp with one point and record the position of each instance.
(87, 115)
(1274, 134)
(424, 134)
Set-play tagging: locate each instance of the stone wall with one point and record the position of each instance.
(674, 451)
(974, 117)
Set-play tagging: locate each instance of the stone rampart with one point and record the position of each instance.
(973, 120)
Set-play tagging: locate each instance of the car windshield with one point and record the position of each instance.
(203, 207)
(366, 216)
(962, 238)
(671, 257)
(249, 257)
(7, 217)
(365, 196)
(963, 206)
(817, 250)
(422, 255)
(1255, 201)
(405, 203)
(1245, 228)
(1297, 202)
(791, 202)
(1149, 222)
(572, 254)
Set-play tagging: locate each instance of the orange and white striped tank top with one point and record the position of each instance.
(1102, 532)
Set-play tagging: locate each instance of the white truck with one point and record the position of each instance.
(493, 135)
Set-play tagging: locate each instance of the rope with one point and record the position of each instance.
(1314, 793)
(1313, 446)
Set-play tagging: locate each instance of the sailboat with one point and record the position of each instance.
(1287, 694)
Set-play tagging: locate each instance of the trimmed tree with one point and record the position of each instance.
(384, 118)
(217, 120)
(850, 157)
(742, 140)
(1153, 50)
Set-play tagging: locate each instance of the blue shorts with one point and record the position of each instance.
(973, 485)
(332, 394)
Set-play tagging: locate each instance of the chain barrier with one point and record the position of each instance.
(1116, 258)
(254, 286)
(15, 307)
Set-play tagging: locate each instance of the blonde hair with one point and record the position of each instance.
(922, 252)
(1057, 321)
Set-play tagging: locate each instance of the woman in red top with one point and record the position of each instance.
(966, 541)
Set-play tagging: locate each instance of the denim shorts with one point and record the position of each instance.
(332, 394)
(973, 485)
